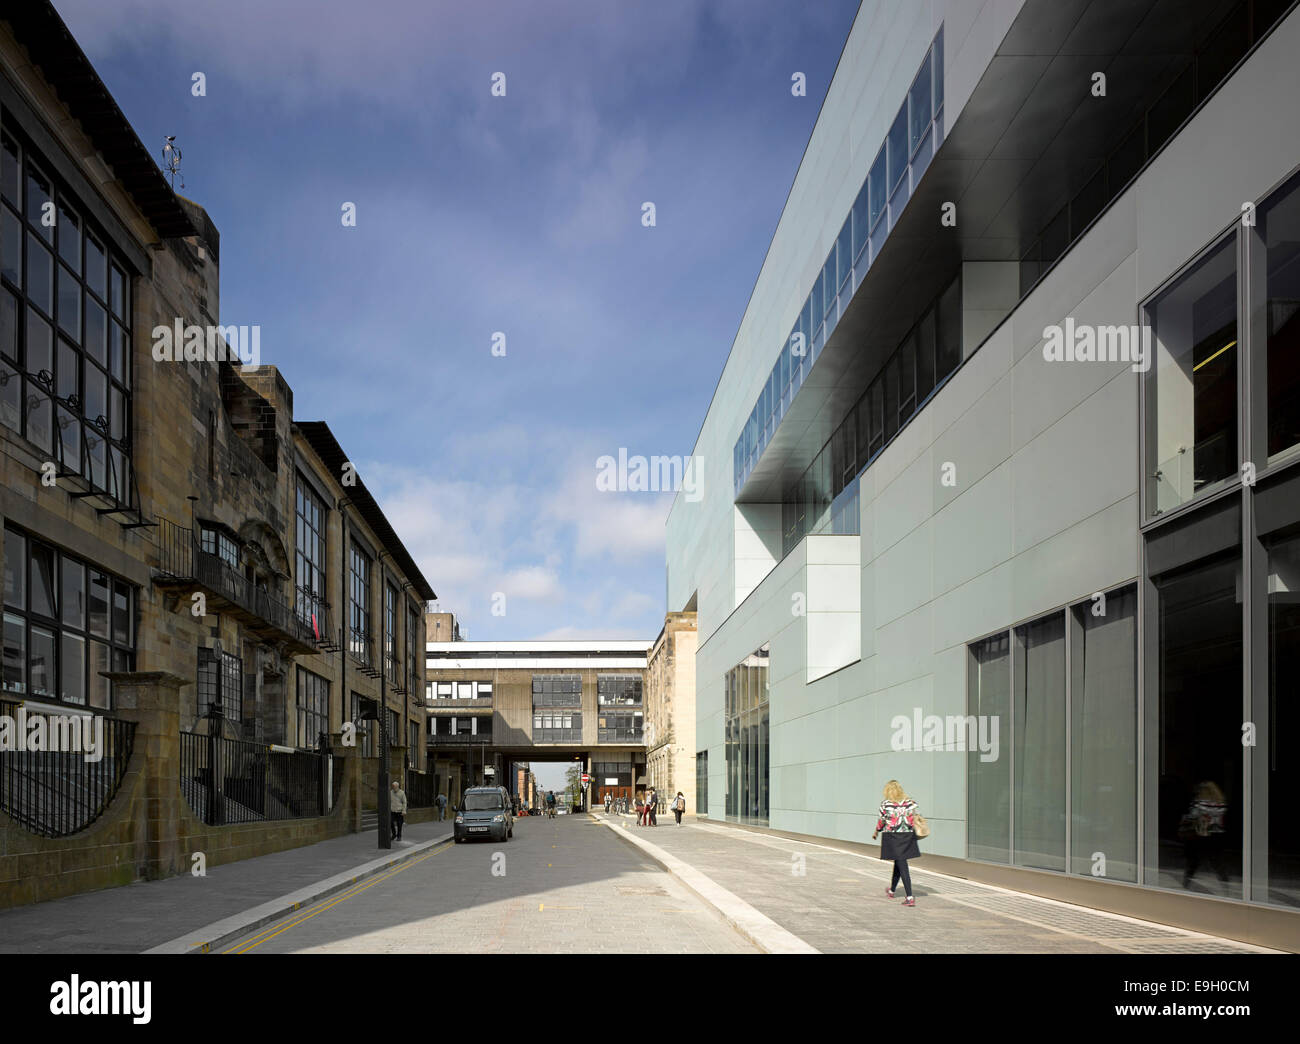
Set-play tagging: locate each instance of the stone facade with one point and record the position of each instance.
(200, 527)
(670, 709)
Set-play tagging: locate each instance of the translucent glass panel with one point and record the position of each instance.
(1103, 737)
(1191, 388)
(988, 782)
(1039, 730)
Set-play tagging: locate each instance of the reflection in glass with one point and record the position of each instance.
(1283, 861)
(1280, 229)
(1192, 386)
(1195, 842)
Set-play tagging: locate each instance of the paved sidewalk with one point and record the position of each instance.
(140, 916)
(835, 900)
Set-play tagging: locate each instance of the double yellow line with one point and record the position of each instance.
(249, 944)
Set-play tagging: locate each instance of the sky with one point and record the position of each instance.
(478, 213)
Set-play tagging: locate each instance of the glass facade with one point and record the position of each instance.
(1059, 791)
(1281, 848)
(1192, 385)
(557, 708)
(1195, 841)
(825, 498)
(746, 726)
(913, 138)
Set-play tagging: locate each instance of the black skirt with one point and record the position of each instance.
(899, 844)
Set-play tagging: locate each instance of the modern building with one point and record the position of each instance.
(183, 561)
(670, 710)
(494, 705)
(959, 528)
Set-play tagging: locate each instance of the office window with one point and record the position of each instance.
(313, 708)
(918, 105)
(891, 397)
(948, 350)
(701, 783)
(925, 345)
(464, 690)
(483, 690)
(1279, 229)
(309, 552)
(64, 622)
(557, 690)
(65, 380)
(879, 191)
(444, 690)
(861, 227)
(1191, 388)
(899, 153)
(618, 690)
(430, 690)
(907, 379)
(844, 254)
(367, 734)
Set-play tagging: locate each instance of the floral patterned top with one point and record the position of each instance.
(896, 816)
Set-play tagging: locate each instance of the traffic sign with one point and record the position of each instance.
(585, 779)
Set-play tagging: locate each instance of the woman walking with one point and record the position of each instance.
(679, 806)
(898, 821)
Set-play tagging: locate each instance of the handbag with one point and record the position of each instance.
(922, 827)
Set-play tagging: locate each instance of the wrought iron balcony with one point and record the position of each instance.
(184, 564)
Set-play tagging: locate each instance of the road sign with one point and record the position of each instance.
(585, 779)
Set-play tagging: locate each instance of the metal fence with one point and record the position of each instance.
(231, 781)
(65, 786)
(421, 788)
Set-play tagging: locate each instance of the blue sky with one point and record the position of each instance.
(478, 214)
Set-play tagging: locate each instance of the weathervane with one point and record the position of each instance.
(172, 161)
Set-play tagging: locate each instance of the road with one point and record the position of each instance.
(558, 886)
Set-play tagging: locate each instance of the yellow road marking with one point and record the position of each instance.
(257, 940)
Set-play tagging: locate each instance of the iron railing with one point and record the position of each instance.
(421, 789)
(231, 781)
(58, 792)
(182, 558)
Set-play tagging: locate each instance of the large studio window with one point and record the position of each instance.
(65, 327)
(1191, 389)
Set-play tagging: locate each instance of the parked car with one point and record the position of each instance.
(484, 812)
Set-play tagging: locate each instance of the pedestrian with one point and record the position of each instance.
(442, 807)
(899, 819)
(679, 806)
(397, 806)
(643, 809)
(654, 806)
(1201, 831)
(609, 799)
